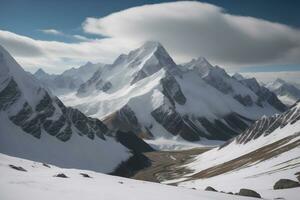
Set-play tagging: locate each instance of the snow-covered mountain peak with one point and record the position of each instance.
(40, 73)
(201, 65)
(238, 76)
(287, 92)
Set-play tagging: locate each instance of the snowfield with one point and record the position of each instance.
(259, 175)
(38, 182)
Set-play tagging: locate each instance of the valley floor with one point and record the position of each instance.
(167, 164)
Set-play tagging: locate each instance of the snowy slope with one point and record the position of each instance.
(38, 183)
(266, 152)
(286, 92)
(69, 80)
(36, 125)
(147, 93)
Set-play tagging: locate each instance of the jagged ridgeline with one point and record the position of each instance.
(36, 125)
(147, 93)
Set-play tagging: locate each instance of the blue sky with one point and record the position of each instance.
(28, 16)
(33, 21)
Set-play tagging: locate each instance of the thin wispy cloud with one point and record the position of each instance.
(52, 31)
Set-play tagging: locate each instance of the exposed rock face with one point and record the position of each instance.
(172, 90)
(266, 125)
(125, 120)
(56, 119)
(249, 193)
(9, 95)
(131, 166)
(61, 175)
(19, 168)
(174, 123)
(176, 97)
(285, 184)
(209, 188)
(131, 141)
(298, 176)
(264, 94)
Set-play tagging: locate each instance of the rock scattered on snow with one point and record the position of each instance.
(61, 175)
(209, 188)
(18, 168)
(249, 193)
(285, 183)
(85, 175)
(46, 165)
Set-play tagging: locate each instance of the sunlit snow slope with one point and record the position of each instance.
(38, 182)
(267, 151)
(36, 125)
(147, 93)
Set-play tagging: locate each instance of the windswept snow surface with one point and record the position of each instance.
(79, 152)
(260, 175)
(39, 183)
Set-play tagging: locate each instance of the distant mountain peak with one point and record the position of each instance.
(238, 76)
(40, 72)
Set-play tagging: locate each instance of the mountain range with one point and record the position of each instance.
(288, 93)
(147, 93)
(36, 125)
(116, 118)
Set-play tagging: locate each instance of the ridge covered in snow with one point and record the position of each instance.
(69, 80)
(36, 125)
(148, 93)
(256, 159)
(286, 92)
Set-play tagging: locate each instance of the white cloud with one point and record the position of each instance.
(57, 56)
(52, 31)
(186, 29)
(192, 29)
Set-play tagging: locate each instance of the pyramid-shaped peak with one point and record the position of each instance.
(279, 80)
(40, 72)
(238, 76)
(151, 44)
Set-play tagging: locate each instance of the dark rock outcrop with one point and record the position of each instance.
(174, 123)
(132, 165)
(266, 126)
(285, 184)
(132, 142)
(85, 175)
(172, 90)
(209, 188)
(61, 175)
(9, 94)
(249, 193)
(18, 168)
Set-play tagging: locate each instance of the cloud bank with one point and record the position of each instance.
(187, 30)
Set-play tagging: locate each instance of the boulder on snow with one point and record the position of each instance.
(285, 183)
(249, 193)
(85, 175)
(209, 188)
(18, 168)
(46, 165)
(298, 176)
(61, 175)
